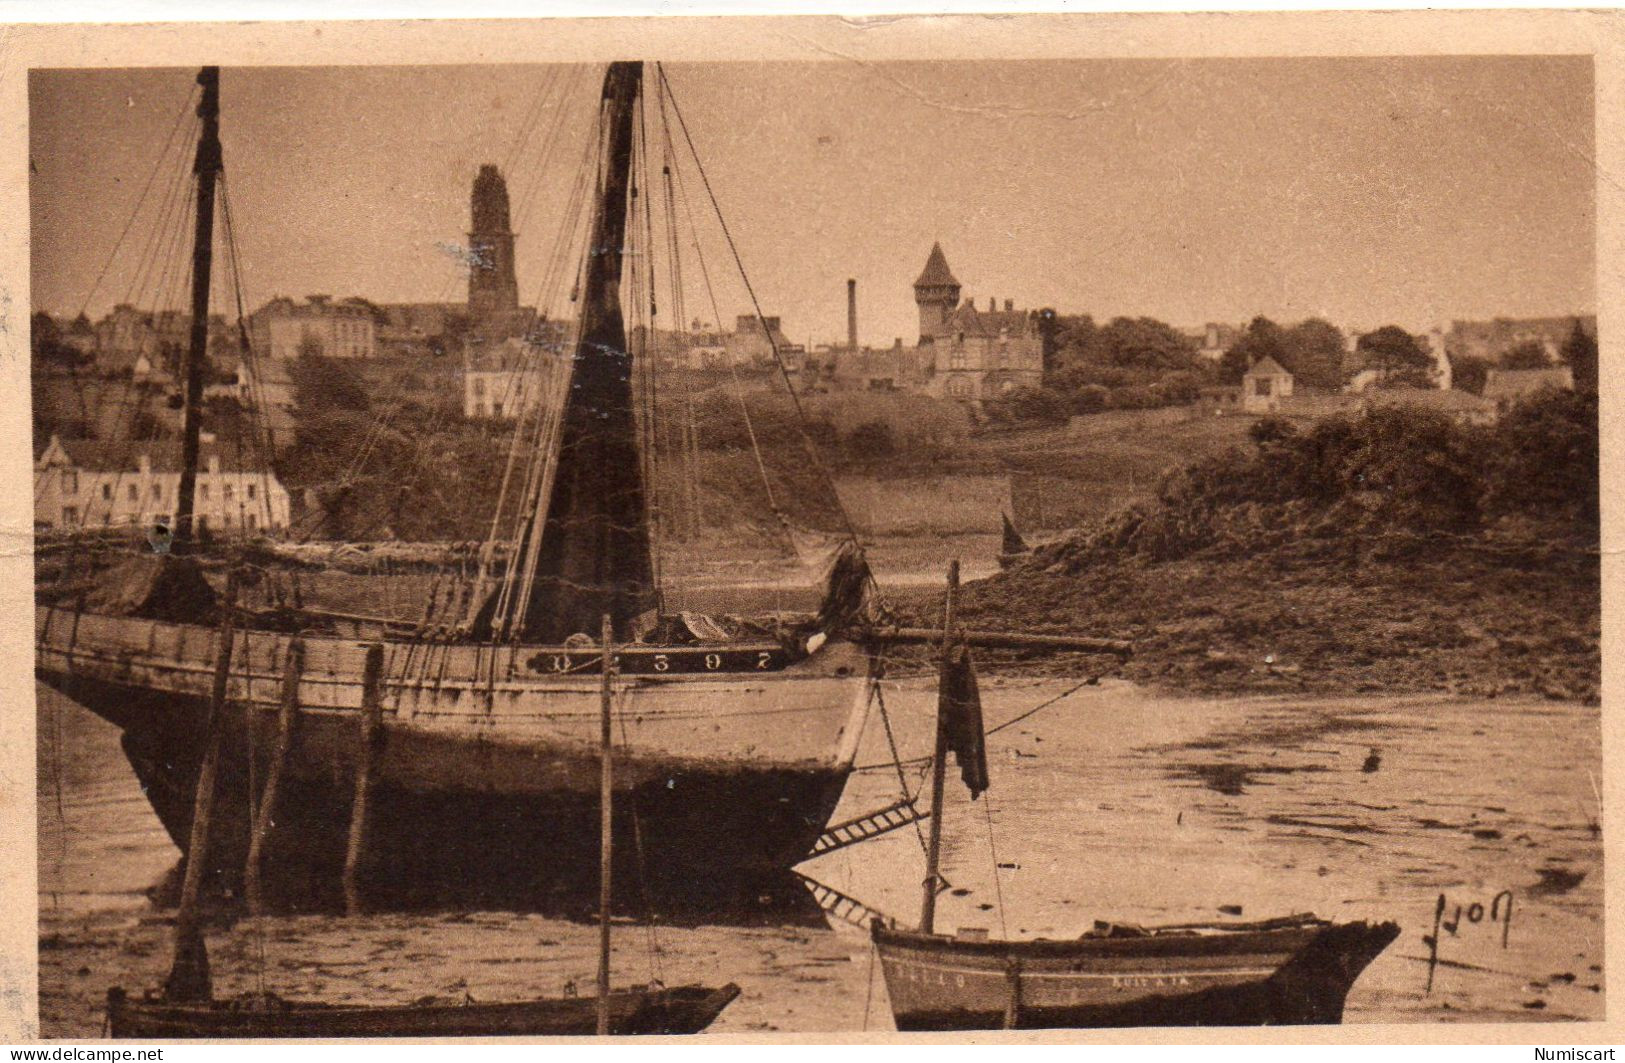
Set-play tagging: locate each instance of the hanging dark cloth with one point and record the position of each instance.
(846, 589)
(959, 701)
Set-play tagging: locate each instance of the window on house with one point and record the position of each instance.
(228, 492)
(107, 492)
(133, 493)
(158, 492)
(496, 409)
(70, 515)
(70, 482)
(203, 491)
(957, 360)
(1261, 387)
(249, 522)
(251, 492)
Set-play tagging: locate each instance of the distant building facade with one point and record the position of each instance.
(80, 483)
(964, 353)
(753, 343)
(1491, 339)
(1506, 386)
(283, 329)
(501, 382)
(148, 343)
(1213, 340)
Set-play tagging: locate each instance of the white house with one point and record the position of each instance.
(82, 483)
(1265, 386)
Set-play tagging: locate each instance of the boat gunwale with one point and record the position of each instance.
(221, 1019)
(1241, 940)
(804, 667)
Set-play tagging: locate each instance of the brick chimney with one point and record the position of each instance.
(1009, 306)
(851, 313)
(992, 305)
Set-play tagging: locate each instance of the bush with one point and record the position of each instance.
(1039, 405)
(871, 439)
(1134, 397)
(322, 385)
(1544, 459)
(1090, 398)
(1180, 389)
(1267, 430)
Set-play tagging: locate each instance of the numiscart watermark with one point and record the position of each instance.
(1576, 1055)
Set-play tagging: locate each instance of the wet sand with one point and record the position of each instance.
(1113, 803)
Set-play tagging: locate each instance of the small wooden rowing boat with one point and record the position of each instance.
(1294, 971)
(680, 1010)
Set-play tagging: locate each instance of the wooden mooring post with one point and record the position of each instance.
(189, 971)
(606, 817)
(265, 809)
(372, 725)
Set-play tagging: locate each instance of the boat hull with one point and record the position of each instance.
(1286, 975)
(486, 786)
(680, 1010)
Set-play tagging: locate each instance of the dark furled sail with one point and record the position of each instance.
(595, 551)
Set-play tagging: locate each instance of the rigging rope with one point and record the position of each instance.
(739, 394)
(795, 399)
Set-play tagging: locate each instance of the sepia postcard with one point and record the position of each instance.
(1070, 528)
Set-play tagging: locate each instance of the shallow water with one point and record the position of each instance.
(1111, 803)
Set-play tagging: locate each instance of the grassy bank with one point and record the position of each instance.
(1389, 614)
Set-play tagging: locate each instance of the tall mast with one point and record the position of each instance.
(207, 167)
(939, 761)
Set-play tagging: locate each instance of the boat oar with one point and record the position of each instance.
(1003, 640)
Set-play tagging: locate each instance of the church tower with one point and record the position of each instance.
(493, 291)
(937, 294)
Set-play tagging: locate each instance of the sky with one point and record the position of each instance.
(1366, 191)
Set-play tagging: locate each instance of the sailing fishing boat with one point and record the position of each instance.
(1289, 971)
(185, 1008)
(483, 761)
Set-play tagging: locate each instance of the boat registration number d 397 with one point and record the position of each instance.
(661, 662)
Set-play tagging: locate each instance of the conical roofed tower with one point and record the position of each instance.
(937, 295)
